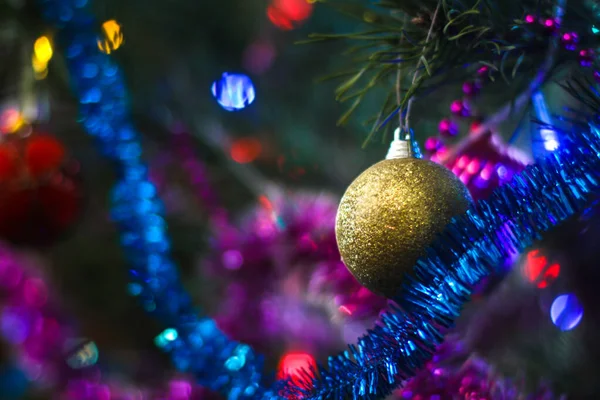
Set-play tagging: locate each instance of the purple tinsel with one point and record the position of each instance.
(284, 277)
(40, 337)
(445, 379)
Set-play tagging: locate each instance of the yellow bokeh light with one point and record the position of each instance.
(38, 66)
(42, 49)
(112, 37)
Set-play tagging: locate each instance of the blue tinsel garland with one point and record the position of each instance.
(195, 343)
(405, 337)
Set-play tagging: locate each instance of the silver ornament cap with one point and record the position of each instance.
(400, 148)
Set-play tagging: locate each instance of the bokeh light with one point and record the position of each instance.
(42, 54)
(233, 92)
(548, 136)
(245, 150)
(232, 259)
(566, 312)
(11, 120)
(167, 336)
(42, 49)
(539, 271)
(112, 37)
(288, 14)
(292, 364)
(296, 10)
(15, 324)
(40, 69)
(81, 353)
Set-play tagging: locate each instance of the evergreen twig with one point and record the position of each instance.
(466, 33)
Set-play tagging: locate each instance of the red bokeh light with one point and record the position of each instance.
(286, 14)
(265, 202)
(292, 365)
(279, 19)
(296, 10)
(245, 150)
(537, 270)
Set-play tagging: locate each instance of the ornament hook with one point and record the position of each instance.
(400, 148)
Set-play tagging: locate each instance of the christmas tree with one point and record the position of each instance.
(298, 199)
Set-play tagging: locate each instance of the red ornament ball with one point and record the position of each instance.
(41, 195)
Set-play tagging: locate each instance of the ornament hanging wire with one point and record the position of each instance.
(403, 148)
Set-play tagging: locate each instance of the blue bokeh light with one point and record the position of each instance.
(549, 137)
(566, 312)
(233, 92)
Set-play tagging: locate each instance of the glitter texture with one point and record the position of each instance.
(390, 214)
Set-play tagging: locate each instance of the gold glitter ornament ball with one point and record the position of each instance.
(390, 214)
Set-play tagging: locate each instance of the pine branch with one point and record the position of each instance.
(584, 91)
(522, 101)
(468, 33)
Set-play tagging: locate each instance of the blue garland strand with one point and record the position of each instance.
(195, 343)
(405, 337)
(471, 247)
